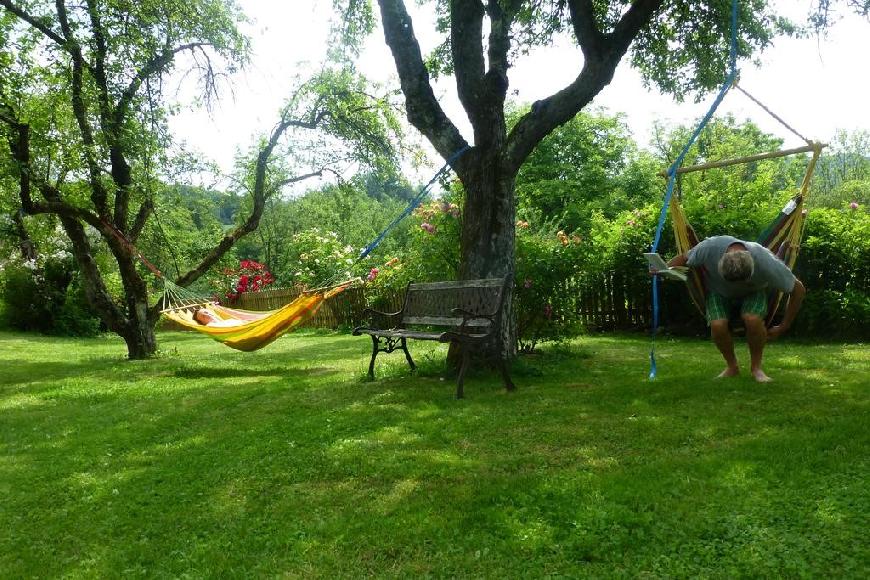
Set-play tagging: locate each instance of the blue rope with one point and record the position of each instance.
(413, 204)
(672, 178)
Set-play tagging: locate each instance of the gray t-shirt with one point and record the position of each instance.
(769, 273)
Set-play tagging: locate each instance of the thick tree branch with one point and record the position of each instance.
(260, 195)
(154, 66)
(145, 211)
(626, 30)
(424, 111)
(295, 179)
(597, 73)
(466, 44)
(585, 30)
(99, 196)
(34, 22)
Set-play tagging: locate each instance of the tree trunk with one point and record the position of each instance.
(139, 333)
(136, 325)
(488, 233)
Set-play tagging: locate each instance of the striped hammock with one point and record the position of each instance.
(246, 330)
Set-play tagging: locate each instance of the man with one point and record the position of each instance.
(740, 275)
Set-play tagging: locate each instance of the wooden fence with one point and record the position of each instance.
(603, 302)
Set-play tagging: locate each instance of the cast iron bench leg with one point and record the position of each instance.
(408, 354)
(375, 342)
(460, 380)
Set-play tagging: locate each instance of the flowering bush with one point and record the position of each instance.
(317, 257)
(250, 276)
(546, 264)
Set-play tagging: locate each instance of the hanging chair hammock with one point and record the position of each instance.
(245, 330)
(782, 236)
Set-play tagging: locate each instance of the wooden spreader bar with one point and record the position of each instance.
(748, 159)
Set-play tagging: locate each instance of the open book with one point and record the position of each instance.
(661, 267)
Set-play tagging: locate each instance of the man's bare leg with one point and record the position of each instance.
(723, 341)
(756, 338)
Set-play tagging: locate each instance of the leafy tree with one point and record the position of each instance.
(680, 46)
(843, 172)
(589, 164)
(82, 112)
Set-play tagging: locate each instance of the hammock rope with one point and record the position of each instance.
(672, 178)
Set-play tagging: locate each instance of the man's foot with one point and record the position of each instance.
(760, 377)
(729, 372)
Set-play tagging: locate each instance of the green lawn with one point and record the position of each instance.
(285, 462)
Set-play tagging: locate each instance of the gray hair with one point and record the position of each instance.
(736, 266)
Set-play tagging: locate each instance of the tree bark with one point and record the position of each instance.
(488, 231)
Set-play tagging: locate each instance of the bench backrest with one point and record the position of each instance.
(432, 303)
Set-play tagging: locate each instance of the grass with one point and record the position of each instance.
(286, 462)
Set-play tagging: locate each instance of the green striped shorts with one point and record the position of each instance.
(719, 307)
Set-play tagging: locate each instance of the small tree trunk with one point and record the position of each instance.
(139, 333)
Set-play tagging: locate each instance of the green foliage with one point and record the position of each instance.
(834, 264)
(315, 258)
(546, 264)
(46, 295)
(842, 174)
(588, 164)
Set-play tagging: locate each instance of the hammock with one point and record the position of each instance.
(782, 236)
(246, 330)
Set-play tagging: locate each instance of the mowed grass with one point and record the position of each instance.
(286, 462)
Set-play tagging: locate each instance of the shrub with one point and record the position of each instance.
(545, 302)
(250, 276)
(834, 265)
(315, 257)
(44, 295)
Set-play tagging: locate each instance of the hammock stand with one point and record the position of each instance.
(782, 236)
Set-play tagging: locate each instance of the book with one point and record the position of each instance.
(662, 269)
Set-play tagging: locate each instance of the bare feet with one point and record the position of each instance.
(760, 377)
(729, 372)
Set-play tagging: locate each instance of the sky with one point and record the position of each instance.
(817, 85)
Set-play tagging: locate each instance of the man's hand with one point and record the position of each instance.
(776, 332)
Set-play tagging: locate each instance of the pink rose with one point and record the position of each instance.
(373, 273)
(853, 205)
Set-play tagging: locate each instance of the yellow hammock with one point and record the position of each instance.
(247, 330)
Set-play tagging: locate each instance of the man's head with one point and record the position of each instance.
(205, 316)
(736, 264)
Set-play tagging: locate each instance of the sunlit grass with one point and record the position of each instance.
(286, 461)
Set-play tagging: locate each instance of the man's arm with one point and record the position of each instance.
(680, 260)
(795, 299)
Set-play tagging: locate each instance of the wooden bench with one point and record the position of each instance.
(467, 312)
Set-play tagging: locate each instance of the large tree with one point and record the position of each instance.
(84, 116)
(680, 46)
